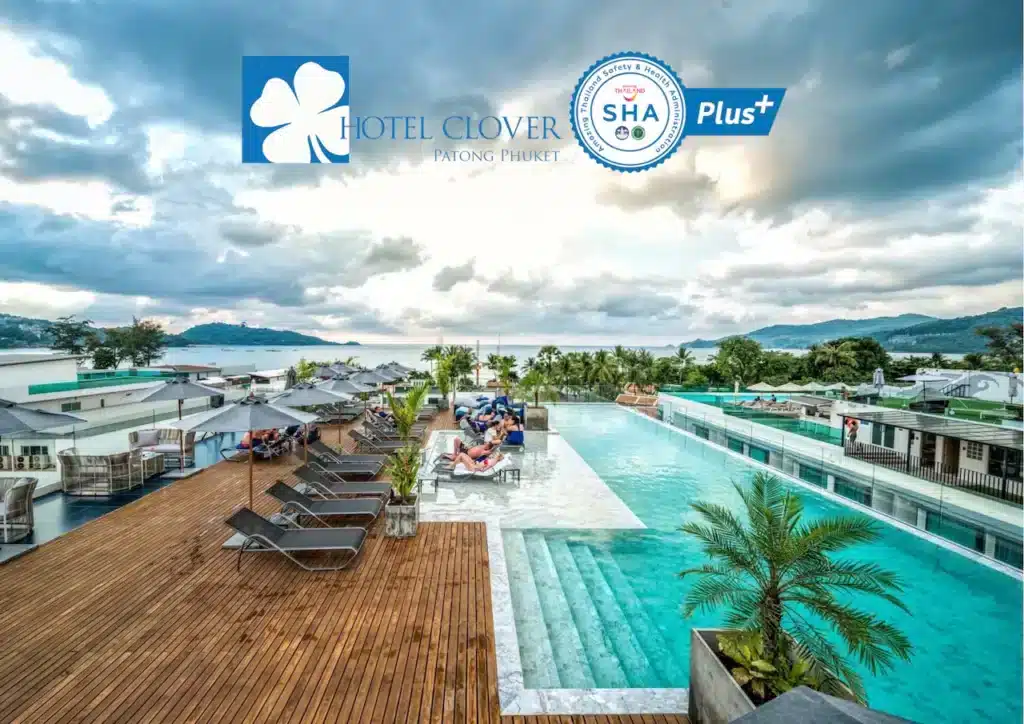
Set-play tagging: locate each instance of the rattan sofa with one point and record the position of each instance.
(16, 508)
(99, 474)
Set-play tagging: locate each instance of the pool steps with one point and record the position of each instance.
(573, 665)
(584, 622)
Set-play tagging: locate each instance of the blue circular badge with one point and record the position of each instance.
(632, 92)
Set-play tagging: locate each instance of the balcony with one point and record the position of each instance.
(1006, 488)
(91, 380)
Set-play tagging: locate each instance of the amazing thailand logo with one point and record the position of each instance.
(630, 111)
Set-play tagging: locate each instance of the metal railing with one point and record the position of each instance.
(1004, 488)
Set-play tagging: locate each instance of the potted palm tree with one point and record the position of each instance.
(535, 384)
(401, 514)
(444, 381)
(775, 576)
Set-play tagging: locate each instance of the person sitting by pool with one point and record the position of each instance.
(773, 400)
(495, 431)
(477, 466)
(514, 434)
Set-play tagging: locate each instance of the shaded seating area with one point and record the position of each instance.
(172, 444)
(99, 474)
(16, 508)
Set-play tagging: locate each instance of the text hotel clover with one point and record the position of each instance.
(454, 128)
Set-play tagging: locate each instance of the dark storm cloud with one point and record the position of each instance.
(44, 144)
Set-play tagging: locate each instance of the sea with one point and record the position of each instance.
(370, 355)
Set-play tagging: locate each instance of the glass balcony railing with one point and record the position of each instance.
(90, 380)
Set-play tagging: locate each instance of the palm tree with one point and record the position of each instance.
(405, 410)
(772, 570)
(832, 358)
(605, 370)
(683, 359)
(432, 355)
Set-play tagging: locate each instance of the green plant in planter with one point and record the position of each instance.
(776, 577)
(535, 384)
(746, 650)
(404, 468)
(404, 410)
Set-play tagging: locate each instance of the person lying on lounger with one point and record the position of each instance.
(477, 452)
(477, 467)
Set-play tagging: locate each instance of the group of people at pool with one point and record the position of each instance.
(501, 429)
(270, 439)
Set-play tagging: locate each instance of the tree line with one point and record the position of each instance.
(141, 343)
(604, 373)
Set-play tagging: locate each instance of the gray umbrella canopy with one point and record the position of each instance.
(878, 379)
(249, 414)
(369, 377)
(400, 369)
(340, 385)
(16, 419)
(306, 395)
(389, 375)
(177, 390)
(807, 706)
(340, 368)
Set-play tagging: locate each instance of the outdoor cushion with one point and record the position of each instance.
(147, 438)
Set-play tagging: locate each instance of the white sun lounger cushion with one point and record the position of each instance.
(461, 471)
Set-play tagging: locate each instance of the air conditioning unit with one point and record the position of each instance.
(21, 462)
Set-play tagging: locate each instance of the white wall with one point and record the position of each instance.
(38, 373)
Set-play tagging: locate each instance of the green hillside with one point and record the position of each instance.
(219, 333)
(956, 336)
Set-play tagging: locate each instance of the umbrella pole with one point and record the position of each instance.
(250, 469)
(181, 451)
(305, 444)
(179, 409)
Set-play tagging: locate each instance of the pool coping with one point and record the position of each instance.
(896, 523)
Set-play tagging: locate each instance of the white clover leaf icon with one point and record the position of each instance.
(306, 116)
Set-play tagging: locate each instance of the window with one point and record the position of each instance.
(735, 445)
(975, 450)
(812, 476)
(4, 450)
(34, 450)
(701, 431)
(883, 435)
(853, 492)
(1003, 461)
(70, 406)
(759, 454)
(956, 531)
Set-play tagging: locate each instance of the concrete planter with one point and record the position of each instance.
(715, 697)
(536, 418)
(400, 521)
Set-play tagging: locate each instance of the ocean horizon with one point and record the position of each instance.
(371, 355)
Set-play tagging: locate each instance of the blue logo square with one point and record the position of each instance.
(295, 109)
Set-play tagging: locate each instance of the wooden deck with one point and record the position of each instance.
(140, 616)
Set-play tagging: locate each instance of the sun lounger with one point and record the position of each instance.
(387, 429)
(354, 470)
(262, 535)
(292, 500)
(332, 484)
(376, 446)
(326, 452)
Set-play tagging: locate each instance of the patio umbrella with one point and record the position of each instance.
(789, 387)
(341, 385)
(369, 377)
(389, 375)
(762, 387)
(246, 415)
(324, 373)
(340, 368)
(15, 418)
(811, 707)
(180, 390)
(306, 395)
(401, 369)
(878, 379)
(814, 387)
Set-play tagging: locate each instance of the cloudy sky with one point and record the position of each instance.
(891, 181)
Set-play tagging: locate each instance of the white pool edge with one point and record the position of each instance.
(515, 699)
(923, 534)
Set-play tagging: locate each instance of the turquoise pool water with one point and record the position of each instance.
(601, 608)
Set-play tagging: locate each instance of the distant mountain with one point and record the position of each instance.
(953, 336)
(23, 332)
(906, 333)
(222, 334)
(802, 336)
